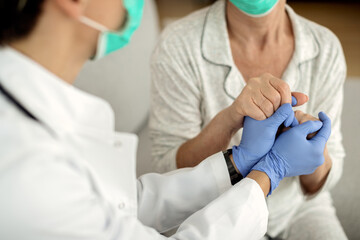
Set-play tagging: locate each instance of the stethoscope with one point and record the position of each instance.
(22, 109)
(13, 100)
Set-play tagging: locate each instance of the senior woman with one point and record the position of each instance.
(209, 63)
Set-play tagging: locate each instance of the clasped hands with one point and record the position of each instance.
(289, 154)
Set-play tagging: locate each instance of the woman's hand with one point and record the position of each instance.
(304, 117)
(258, 138)
(261, 97)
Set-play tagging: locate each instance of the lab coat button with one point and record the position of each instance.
(121, 205)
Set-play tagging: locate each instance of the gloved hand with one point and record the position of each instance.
(293, 155)
(258, 138)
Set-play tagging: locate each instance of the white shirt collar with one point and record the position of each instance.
(59, 105)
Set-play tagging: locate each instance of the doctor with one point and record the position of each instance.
(65, 173)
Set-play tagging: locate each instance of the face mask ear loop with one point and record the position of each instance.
(101, 28)
(93, 24)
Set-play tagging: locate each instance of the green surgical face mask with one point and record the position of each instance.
(110, 41)
(255, 8)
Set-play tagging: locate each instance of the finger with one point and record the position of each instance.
(293, 101)
(309, 127)
(264, 104)
(283, 88)
(301, 98)
(282, 114)
(272, 95)
(325, 131)
(303, 117)
(254, 111)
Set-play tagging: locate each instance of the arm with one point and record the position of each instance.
(259, 99)
(171, 185)
(260, 177)
(86, 214)
(329, 98)
(185, 191)
(256, 134)
(176, 118)
(313, 182)
(193, 151)
(282, 161)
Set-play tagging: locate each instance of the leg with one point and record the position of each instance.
(316, 220)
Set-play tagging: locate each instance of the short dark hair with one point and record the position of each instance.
(18, 18)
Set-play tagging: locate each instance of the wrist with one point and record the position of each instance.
(233, 118)
(243, 161)
(233, 163)
(235, 175)
(312, 183)
(267, 166)
(262, 179)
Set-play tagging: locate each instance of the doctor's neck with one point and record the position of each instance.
(57, 44)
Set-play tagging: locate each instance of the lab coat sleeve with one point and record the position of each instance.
(182, 192)
(240, 214)
(54, 198)
(329, 99)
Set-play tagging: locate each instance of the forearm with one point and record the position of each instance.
(260, 177)
(213, 138)
(196, 187)
(313, 182)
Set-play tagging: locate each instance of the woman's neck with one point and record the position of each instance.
(260, 31)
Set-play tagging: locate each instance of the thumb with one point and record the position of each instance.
(309, 127)
(283, 113)
(300, 98)
(325, 131)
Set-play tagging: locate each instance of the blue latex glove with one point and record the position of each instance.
(293, 101)
(258, 138)
(295, 121)
(294, 155)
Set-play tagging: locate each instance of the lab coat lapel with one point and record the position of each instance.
(82, 122)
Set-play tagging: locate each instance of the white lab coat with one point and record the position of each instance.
(70, 176)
